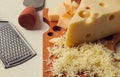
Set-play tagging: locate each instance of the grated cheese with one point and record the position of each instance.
(89, 58)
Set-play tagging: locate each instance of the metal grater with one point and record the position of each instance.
(14, 50)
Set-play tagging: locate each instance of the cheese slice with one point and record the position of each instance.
(64, 20)
(61, 9)
(53, 14)
(67, 4)
(70, 7)
(74, 5)
(94, 19)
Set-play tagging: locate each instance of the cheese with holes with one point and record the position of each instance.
(94, 19)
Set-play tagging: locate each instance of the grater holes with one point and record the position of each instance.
(11, 47)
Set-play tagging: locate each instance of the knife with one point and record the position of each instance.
(37, 4)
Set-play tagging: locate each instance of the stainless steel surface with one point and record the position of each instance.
(35, 3)
(14, 50)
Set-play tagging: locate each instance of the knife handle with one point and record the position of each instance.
(28, 17)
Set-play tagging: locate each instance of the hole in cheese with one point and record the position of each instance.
(87, 7)
(96, 15)
(50, 33)
(102, 4)
(84, 13)
(111, 17)
(88, 35)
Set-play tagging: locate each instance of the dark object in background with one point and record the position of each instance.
(28, 18)
(37, 4)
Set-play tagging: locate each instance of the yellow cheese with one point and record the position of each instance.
(53, 14)
(64, 20)
(63, 12)
(74, 4)
(70, 7)
(67, 4)
(61, 9)
(94, 19)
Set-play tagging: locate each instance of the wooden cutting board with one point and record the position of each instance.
(56, 31)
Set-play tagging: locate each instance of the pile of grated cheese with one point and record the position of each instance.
(92, 59)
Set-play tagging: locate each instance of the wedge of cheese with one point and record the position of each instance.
(94, 19)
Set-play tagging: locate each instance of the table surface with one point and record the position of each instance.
(9, 11)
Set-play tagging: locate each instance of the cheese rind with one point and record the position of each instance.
(93, 20)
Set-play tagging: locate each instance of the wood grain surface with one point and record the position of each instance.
(54, 31)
